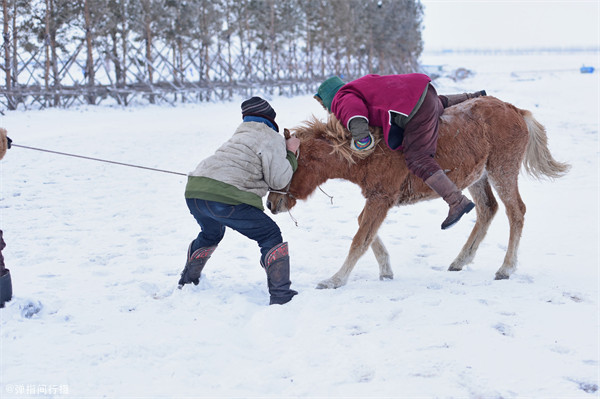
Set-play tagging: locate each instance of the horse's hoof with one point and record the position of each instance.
(501, 276)
(328, 284)
(453, 268)
(386, 277)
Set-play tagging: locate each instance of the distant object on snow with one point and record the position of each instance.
(586, 69)
(436, 71)
(460, 74)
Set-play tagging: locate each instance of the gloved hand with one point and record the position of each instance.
(361, 136)
(292, 144)
(363, 144)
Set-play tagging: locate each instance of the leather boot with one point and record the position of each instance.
(5, 287)
(5, 280)
(277, 266)
(194, 265)
(453, 99)
(459, 204)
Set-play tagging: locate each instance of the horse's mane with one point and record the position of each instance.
(334, 132)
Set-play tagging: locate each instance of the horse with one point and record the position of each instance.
(482, 143)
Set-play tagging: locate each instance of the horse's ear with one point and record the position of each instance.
(286, 133)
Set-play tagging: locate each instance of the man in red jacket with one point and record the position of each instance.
(407, 108)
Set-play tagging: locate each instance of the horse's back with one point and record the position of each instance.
(478, 134)
(483, 116)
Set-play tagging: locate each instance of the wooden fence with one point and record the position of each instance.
(218, 79)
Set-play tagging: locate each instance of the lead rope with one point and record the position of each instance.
(98, 159)
(293, 218)
(290, 213)
(330, 196)
(147, 168)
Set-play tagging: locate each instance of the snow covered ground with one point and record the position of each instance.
(95, 252)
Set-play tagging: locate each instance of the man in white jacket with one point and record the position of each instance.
(226, 190)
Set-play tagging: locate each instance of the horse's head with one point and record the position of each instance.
(282, 200)
(324, 153)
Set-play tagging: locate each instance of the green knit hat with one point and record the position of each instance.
(328, 89)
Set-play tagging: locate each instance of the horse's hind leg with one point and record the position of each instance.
(486, 206)
(508, 191)
(369, 222)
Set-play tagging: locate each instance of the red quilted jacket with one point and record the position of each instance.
(375, 97)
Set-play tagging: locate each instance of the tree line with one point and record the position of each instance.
(58, 52)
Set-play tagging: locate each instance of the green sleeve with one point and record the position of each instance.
(291, 157)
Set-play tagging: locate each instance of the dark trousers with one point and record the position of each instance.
(248, 220)
(2, 246)
(421, 134)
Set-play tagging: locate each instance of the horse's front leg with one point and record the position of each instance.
(383, 259)
(369, 222)
(382, 256)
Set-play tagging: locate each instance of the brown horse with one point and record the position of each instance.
(482, 144)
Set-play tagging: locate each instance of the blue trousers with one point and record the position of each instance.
(248, 220)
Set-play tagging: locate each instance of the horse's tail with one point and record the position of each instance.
(538, 160)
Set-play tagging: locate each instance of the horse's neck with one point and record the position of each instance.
(335, 168)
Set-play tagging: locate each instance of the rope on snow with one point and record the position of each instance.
(98, 159)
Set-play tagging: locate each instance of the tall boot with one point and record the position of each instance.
(5, 287)
(277, 266)
(453, 99)
(194, 265)
(5, 280)
(459, 204)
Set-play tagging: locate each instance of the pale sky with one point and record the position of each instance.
(456, 24)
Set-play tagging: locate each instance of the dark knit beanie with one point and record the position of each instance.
(256, 106)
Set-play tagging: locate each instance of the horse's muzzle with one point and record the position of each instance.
(275, 205)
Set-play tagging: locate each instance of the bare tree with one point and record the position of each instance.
(164, 49)
(90, 71)
(7, 54)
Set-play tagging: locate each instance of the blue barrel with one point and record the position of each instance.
(586, 69)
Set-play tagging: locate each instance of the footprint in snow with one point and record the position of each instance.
(504, 329)
(31, 308)
(587, 387)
